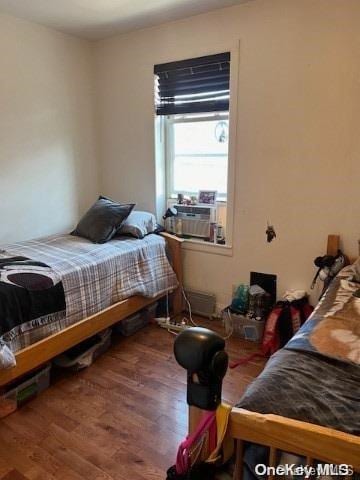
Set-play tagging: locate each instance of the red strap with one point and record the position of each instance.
(243, 360)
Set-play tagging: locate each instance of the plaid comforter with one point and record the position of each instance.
(94, 276)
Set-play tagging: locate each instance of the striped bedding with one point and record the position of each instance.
(91, 276)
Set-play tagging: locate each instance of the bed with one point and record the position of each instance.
(57, 291)
(307, 399)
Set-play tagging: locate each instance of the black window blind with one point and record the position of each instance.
(197, 85)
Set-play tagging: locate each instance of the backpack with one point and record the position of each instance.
(292, 316)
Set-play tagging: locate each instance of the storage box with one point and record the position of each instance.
(25, 391)
(243, 326)
(137, 321)
(151, 311)
(85, 353)
(132, 324)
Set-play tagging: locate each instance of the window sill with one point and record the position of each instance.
(173, 199)
(207, 247)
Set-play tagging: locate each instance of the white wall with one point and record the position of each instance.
(48, 170)
(298, 142)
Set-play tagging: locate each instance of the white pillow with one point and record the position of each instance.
(138, 224)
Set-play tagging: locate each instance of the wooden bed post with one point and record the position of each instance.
(333, 245)
(239, 460)
(174, 246)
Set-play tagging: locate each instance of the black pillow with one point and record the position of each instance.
(102, 220)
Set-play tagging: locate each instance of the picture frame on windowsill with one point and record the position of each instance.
(207, 197)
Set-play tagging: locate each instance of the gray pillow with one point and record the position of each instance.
(102, 220)
(138, 224)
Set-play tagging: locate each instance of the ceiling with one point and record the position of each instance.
(94, 19)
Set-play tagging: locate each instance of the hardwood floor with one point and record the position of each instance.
(122, 418)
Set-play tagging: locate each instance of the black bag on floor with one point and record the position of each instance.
(199, 471)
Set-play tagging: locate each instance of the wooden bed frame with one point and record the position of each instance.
(41, 352)
(287, 435)
(284, 434)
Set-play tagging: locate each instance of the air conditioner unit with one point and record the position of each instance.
(196, 219)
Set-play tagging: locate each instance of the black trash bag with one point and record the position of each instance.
(172, 475)
(200, 471)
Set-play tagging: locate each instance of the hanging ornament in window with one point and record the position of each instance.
(222, 131)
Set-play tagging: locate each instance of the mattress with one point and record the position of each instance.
(51, 283)
(307, 387)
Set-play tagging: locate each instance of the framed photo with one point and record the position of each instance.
(207, 197)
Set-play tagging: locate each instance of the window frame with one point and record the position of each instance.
(170, 121)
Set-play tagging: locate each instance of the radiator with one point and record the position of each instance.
(201, 303)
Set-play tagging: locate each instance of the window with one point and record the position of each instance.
(197, 154)
(192, 144)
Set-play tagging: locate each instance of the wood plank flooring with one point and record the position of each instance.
(120, 419)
